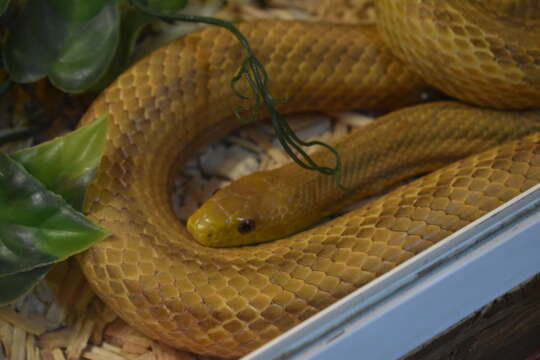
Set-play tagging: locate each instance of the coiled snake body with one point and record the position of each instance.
(227, 302)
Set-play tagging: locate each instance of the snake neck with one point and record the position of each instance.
(394, 148)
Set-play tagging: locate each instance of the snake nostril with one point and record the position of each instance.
(245, 225)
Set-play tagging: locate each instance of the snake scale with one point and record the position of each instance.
(227, 302)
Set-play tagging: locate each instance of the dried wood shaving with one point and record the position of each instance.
(106, 317)
(6, 337)
(56, 339)
(32, 326)
(57, 354)
(79, 339)
(32, 351)
(18, 348)
(104, 353)
(128, 339)
(146, 356)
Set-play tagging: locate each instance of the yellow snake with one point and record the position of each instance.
(227, 302)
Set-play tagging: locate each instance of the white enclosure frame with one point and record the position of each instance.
(426, 295)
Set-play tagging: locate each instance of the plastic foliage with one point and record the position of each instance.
(40, 218)
(79, 45)
(74, 54)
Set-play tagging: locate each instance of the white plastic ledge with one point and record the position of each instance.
(427, 294)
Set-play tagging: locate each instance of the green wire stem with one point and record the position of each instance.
(255, 74)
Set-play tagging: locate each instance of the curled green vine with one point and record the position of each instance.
(255, 74)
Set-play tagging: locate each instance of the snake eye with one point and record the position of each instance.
(245, 225)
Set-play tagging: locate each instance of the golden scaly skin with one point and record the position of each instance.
(482, 52)
(227, 302)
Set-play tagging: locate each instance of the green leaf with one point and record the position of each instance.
(25, 245)
(66, 165)
(37, 226)
(75, 55)
(133, 21)
(3, 6)
(33, 44)
(88, 51)
(16, 285)
(78, 10)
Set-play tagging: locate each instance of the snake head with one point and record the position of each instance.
(243, 213)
